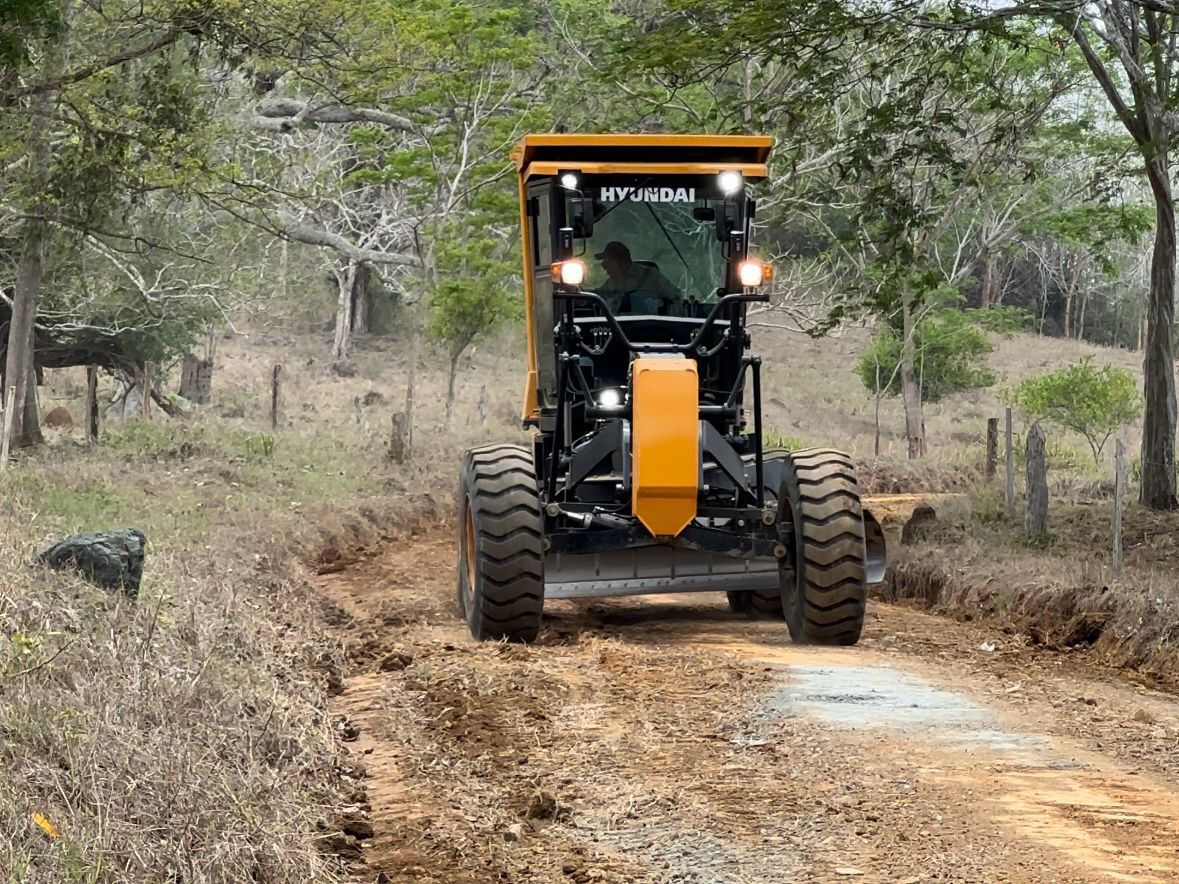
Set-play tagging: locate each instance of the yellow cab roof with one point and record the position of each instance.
(666, 154)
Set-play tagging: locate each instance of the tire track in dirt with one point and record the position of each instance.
(667, 740)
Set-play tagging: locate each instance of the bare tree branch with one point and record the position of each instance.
(293, 112)
(167, 38)
(313, 236)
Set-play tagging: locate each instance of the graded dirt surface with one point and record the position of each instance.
(665, 739)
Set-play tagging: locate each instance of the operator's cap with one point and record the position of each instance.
(614, 249)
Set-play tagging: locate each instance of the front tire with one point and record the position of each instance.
(501, 553)
(824, 591)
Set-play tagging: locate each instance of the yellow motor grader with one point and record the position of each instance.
(647, 471)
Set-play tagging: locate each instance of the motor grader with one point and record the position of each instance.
(647, 471)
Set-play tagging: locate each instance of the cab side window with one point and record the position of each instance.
(542, 227)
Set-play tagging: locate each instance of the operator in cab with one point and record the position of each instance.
(631, 287)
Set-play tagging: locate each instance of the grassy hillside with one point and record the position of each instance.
(813, 392)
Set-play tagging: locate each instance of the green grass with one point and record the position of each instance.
(772, 438)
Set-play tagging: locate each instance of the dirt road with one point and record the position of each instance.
(665, 739)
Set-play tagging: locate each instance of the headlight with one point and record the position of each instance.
(730, 182)
(610, 399)
(569, 181)
(571, 272)
(753, 273)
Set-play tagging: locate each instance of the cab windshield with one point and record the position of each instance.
(654, 248)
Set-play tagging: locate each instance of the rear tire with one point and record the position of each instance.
(739, 602)
(501, 553)
(823, 587)
(762, 604)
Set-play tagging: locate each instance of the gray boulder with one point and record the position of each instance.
(110, 559)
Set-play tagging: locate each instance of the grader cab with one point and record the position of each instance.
(647, 471)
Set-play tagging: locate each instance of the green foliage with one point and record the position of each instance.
(1095, 227)
(21, 23)
(476, 291)
(1095, 402)
(950, 353)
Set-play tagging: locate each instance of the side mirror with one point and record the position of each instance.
(728, 222)
(582, 216)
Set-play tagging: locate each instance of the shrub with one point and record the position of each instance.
(951, 350)
(1095, 402)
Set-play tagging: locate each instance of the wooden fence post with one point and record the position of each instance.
(1010, 484)
(398, 443)
(1036, 518)
(92, 404)
(1119, 499)
(992, 446)
(275, 395)
(6, 442)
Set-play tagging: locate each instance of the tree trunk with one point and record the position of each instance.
(31, 270)
(1068, 305)
(1043, 299)
(345, 276)
(876, 440)
(92, 404)
(1081, 314)
(32, 422)
(1157, 489)
(910, 388)
(196, 379)
(1071, 329)
(146, 385)
(986, 295)
(362, 320)
(455, 355)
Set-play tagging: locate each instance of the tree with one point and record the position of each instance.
(471, 300)
(1141, 37)
(893, 133)
(1095, 402)
(386, 147)
(1131, 51)
(101, 119)
(950, 350)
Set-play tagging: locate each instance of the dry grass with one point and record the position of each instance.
(184, 736)
(177, 738)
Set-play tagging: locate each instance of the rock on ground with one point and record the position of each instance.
(110, 559)
(59, 419)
